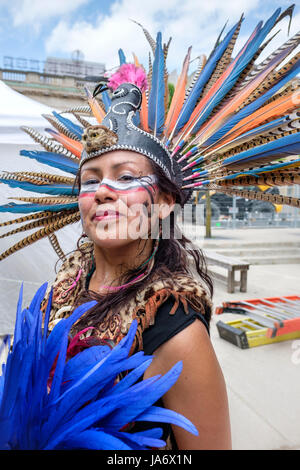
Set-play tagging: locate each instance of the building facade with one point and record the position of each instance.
(58, 83)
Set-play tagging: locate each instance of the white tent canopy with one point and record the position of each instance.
(34, 264)
(17, 110)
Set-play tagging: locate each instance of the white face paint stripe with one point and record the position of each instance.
(136, 184)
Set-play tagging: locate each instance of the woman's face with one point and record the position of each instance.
(119, 199)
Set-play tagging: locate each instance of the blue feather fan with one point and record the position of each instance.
(49, 401)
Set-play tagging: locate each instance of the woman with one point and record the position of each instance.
(225, 129)
(134, 271)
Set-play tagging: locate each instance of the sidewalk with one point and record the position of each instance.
(263, 382)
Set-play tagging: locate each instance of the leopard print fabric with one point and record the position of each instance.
(71, 280)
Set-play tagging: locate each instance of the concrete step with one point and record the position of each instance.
(264, 260)
(273, 252)
(231, 244)
(261, 254)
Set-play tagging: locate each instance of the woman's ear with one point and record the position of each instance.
(166, 205)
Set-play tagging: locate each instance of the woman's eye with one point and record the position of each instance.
(127, 178)
(85, 183)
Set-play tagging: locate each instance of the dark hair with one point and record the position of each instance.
(174, 255)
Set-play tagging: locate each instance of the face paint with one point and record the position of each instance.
(134, 197)
(89, 188)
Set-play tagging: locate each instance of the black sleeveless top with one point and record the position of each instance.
(166, 326)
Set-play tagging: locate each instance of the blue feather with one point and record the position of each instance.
(155, 415)
(238, 69)
(51, 189)
(74, 128)
(80, 363)
(287, 145)
(156, 388)
(122, 57)
(33, 418)
(106, 100)
(38, 297)
(252, 107)
(282, 152)
(140, 440)
(53, 159)
(269, 126)
(263, 169)
(156, 103)
(18, 324)
(205, 75)
(95, 439)
(29, 208)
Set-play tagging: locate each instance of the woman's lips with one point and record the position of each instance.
(101, 215)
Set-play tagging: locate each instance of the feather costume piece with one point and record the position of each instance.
(128, 73)
(156, 103)
(195, 93)
(51, 399)
(236, 119)
(97, 111)
(144, 105)
(178, 97)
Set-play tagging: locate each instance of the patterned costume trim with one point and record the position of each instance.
(71, 280)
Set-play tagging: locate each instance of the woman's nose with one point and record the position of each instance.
(104, 193)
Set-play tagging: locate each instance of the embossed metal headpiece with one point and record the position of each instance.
(118, 131)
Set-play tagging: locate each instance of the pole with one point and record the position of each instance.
(234, 211)
(208, 216)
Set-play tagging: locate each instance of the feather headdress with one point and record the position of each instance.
(54, 397)
(235, 122)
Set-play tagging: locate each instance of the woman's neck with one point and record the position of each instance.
(113, 263)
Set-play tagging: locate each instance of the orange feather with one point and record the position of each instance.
(97, 111)
(273, 110)
(144, 105)
(202, 103)
(73, 145)
(179, 95)
(230, 108)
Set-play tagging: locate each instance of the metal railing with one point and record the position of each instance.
(74, 68)
(230, 212)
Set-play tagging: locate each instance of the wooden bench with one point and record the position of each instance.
(232, 265)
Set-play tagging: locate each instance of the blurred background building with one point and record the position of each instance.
(56, 82)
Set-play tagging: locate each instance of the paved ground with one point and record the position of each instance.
(263, 383)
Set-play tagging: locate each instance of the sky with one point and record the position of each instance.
(37, 29)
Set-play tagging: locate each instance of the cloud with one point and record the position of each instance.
(188, 22)
(35, 12)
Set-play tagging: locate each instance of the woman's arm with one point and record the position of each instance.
(200, 392)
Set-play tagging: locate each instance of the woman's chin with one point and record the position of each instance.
(110, 239)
